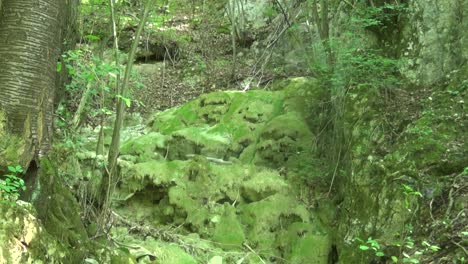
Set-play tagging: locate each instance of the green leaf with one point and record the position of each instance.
(92, 37)
(434, 248)
(216, 260)
(410, 260)
(59, 67)
(91, 261)
(141, 103)
(127, 101)
(71, 70)
(394, 259)
(89, 76)
(124, 249)
(363, 247)
(215, 219)
(240, 261)
(379, 254)
(359, 240)
(407, 188)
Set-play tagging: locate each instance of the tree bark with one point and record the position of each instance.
(322, 22)
(32, 35)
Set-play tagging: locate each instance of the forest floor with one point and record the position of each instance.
(191, 70)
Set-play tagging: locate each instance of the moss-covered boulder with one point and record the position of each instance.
(23, 238)
(229, 232)
(403, 158)
(218, 167)
(266, 128)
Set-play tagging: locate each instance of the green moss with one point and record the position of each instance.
(11, 146)
(198, 140)
(265, 218)
(304, 95)
(19, 225)
(172, 254)
(263, 184)
(283, 137)
(214, 106)
(229, 232)
(214, 182)
(59, 211)
(146, 147)
(176, 118)
(306, 243)
(421, 143)
(154, 172)
(225, 124)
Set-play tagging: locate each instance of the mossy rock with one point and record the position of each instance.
(229, 119)
(256, 126)
(283, 137)
(265, 218)
(151, 146)
(23, 239)
(201, 199)
(218, 176)
(172, 254)
(306, 243)
(263, 184)
(229, 233)
(136, 177)
(198, 140)
(309, 98)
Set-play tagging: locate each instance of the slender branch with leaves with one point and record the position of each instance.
(111, 171)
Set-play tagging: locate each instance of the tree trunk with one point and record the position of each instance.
(32, 34)
(322, 22)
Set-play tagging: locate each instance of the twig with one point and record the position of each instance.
(170, 57)
(146, 230)
(430, 209)
(458, 215)
(124, 245)
(348, 3)
(284, 12)
(251, 250)
(264, 58)
(167, 153)
(215, 160)
(460, 246)
(450, 204)
(334, 172)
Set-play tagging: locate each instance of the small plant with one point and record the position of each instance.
(11, 185)
(416, 255)
(409, 192)
(409, 252)
(379, 16)
(371, 244)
